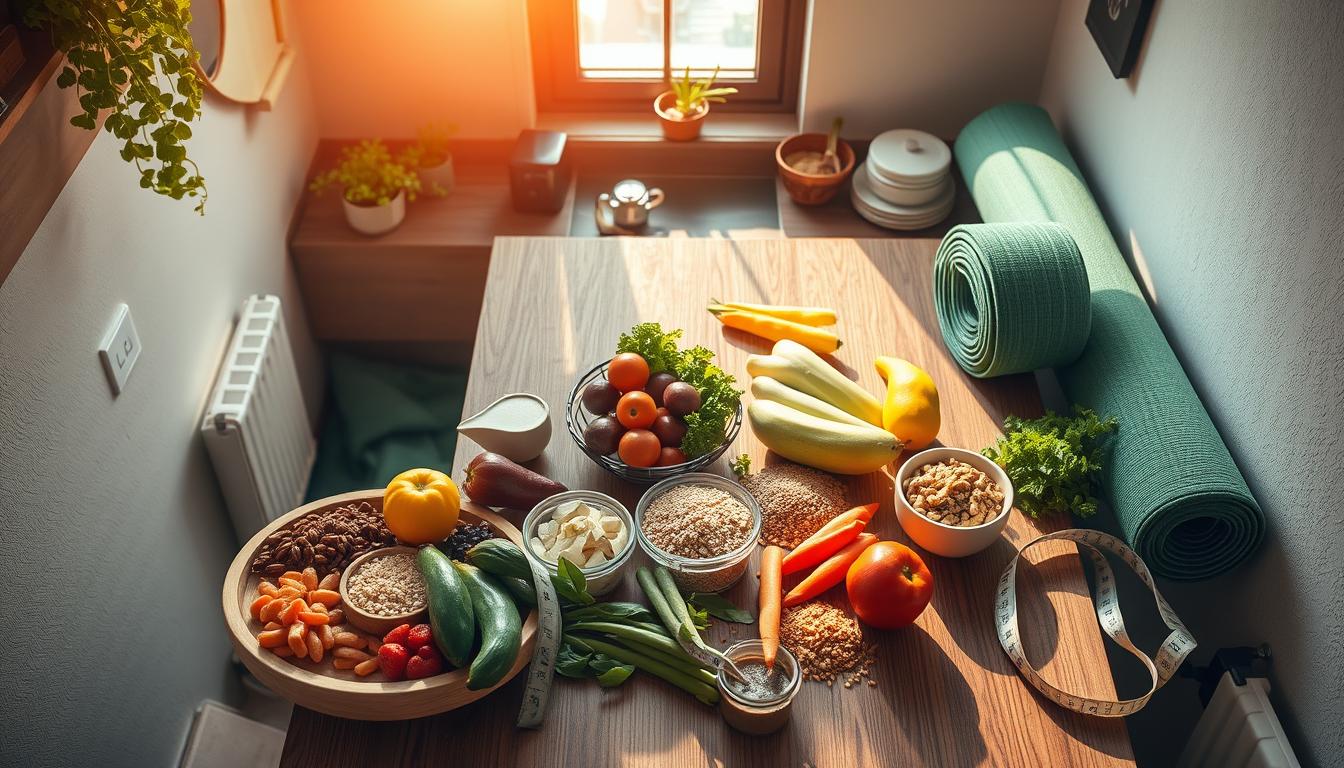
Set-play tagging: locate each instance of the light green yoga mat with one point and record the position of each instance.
(1175, 491)
(1011, 298)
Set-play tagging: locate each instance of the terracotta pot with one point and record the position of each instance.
(375, 219)
(678, 129)
(812, 188)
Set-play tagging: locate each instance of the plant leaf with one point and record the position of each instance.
(720, 607)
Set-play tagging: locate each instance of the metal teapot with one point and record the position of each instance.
(629, 204)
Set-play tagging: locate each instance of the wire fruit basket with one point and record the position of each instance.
(577, 419)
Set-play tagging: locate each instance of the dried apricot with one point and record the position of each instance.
(258, 604)
(313, 617)
(315, 648)
(272, 638)
(271, 611)
(325, 596)
(298, 639)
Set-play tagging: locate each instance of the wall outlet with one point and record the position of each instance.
(119, 349)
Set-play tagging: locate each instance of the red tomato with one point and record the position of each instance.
(639, 448)
(889, 585)
(628, 372)
(636, 410)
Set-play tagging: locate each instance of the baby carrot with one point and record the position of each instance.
(811, 553)
(771, 560)
(774, 329)
(829, 573)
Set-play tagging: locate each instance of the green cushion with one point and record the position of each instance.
(1176, 493)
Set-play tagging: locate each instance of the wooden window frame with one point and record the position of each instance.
(560, 86)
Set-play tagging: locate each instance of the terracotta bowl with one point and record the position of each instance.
(686, 129)
(812, 188)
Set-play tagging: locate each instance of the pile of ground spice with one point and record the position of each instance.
(795, 501)
(827, 642)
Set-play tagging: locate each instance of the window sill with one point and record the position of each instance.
(725, 127)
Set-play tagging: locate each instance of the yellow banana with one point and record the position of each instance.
(832, 446)
(911, 409)
(796, 366)
(767, 388)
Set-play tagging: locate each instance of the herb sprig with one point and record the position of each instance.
(1053, 460)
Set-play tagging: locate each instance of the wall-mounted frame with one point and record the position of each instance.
(1118, 27)
(244, 53)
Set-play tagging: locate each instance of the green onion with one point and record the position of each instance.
(671, 674)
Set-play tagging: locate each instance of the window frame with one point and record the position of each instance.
(560, 86)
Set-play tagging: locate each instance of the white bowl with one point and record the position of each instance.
(601, 578)
(940, 538)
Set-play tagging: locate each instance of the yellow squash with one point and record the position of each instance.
(774, 329)
(910, 411)
(421, 506)
(804, 315)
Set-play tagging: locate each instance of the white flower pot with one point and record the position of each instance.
(441, 174)
(376, 219)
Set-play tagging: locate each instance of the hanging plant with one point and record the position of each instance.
(134, 58)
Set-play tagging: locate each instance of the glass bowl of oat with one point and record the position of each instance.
(701, 527)
(952, 502)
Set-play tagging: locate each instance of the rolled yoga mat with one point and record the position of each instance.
(1011, 298)
(1175, 491)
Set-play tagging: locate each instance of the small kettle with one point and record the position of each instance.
(629, 203)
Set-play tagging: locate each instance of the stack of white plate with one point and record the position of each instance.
(906, 181)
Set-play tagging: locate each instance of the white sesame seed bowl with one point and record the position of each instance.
(380, 621)
(701, 527)
(602, 578)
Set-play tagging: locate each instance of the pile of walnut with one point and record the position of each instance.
(302, 619)
(953, 492)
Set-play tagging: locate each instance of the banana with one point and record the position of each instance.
(796, 366)
(767, 388)
(846, 449)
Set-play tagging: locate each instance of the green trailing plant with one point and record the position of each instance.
(693, 95)
(135, 59)
(429, 150)
(368, 175)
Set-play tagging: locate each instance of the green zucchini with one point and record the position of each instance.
(450, 606)
(500, 625)
(500, 557)
(524, 594)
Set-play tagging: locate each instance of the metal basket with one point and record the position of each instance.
(577, 420)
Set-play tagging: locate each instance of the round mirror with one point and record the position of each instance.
(207, 33)
(244, 57)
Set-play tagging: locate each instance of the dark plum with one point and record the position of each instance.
(603, 435)
(657, 383)
(681, 398)
(669, 429)
(600, 396)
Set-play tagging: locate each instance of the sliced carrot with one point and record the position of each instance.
(325, 596)
(313, 618)
(804, 557)
(291, 614)
(829, 573)
(774, 329)
(768, 622)
(258, 604)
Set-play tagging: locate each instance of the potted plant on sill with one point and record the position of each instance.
(374, 187)
(429, 155)
(682, 109)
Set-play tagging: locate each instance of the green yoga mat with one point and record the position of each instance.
(1176, 493)
(1011, 298)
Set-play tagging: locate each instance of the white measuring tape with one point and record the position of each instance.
(541, 672)
(1173, 651)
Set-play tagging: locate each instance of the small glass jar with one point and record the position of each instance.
(770, 711)
(709, 574)
(602, 578)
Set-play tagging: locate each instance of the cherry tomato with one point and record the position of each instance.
(636, 410)
(628, 372)
(671, 457)
(639, 448)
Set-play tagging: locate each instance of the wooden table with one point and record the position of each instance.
(945, 694)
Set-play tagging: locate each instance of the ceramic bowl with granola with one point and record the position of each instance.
(952, 502)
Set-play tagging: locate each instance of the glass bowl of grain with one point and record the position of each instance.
(603, 577)
(701, 527)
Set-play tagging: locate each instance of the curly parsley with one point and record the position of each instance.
(1053, 460)
(706, 428)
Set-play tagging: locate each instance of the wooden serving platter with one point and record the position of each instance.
(341, 693)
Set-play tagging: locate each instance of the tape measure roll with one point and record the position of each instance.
(1178, 645)
(541, 671)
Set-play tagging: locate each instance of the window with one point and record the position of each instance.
(613, 54)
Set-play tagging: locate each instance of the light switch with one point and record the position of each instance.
(120, 349)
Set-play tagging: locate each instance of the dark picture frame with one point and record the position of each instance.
(1118, 27)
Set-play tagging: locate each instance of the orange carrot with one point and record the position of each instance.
(810, 553)
(862, 512)
(771, 560)
(774, 329)
(829, 573)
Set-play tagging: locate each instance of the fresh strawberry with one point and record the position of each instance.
(425, 663)
(392, 658)
(398, 635)
(419, 636)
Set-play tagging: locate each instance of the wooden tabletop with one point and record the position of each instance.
(945, 694)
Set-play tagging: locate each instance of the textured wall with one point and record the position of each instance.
(929, 65)
(1220, 165)
(113, 536)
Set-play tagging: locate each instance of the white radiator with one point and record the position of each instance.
(256, 426)
(1239, 730)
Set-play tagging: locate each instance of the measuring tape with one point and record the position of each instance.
(541, 672)
(1173, 651)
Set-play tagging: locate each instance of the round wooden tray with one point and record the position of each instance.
(341, 693)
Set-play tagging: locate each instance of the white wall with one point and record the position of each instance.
(384, 69)
(113, 535)
(1220, 166)
(930, 65)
